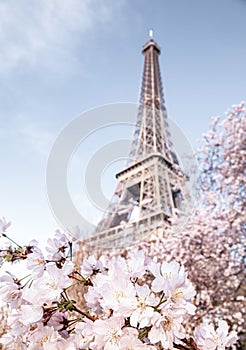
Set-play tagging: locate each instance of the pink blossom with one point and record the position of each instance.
(117, 293)
(93, 299)
(90, 265)
(14, 322)
(4, 225)
(137, 264)
(49, 287)
(167, 275)
(58, 320)
(11, 290)
(11, 342)
(58, 246)
(207, 338)
(129, 341)
(167, 329)
(108, 332)
(84, 334)
(30, 314)
(35, 261)
(144, 311)
(44, 338)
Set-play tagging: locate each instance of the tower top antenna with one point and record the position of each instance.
(151, 33)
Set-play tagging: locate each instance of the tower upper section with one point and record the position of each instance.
(151, 134)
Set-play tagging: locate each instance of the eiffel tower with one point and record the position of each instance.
(151, 189)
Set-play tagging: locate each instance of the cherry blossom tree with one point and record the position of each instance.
(212, 242)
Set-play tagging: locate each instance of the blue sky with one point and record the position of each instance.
(59, 58)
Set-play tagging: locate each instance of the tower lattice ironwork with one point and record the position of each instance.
(151, 187)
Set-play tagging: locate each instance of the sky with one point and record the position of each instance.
(60, 58)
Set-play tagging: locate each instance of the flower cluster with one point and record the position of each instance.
(133, 303)
(157, 311)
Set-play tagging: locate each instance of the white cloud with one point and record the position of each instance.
(34, 31)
